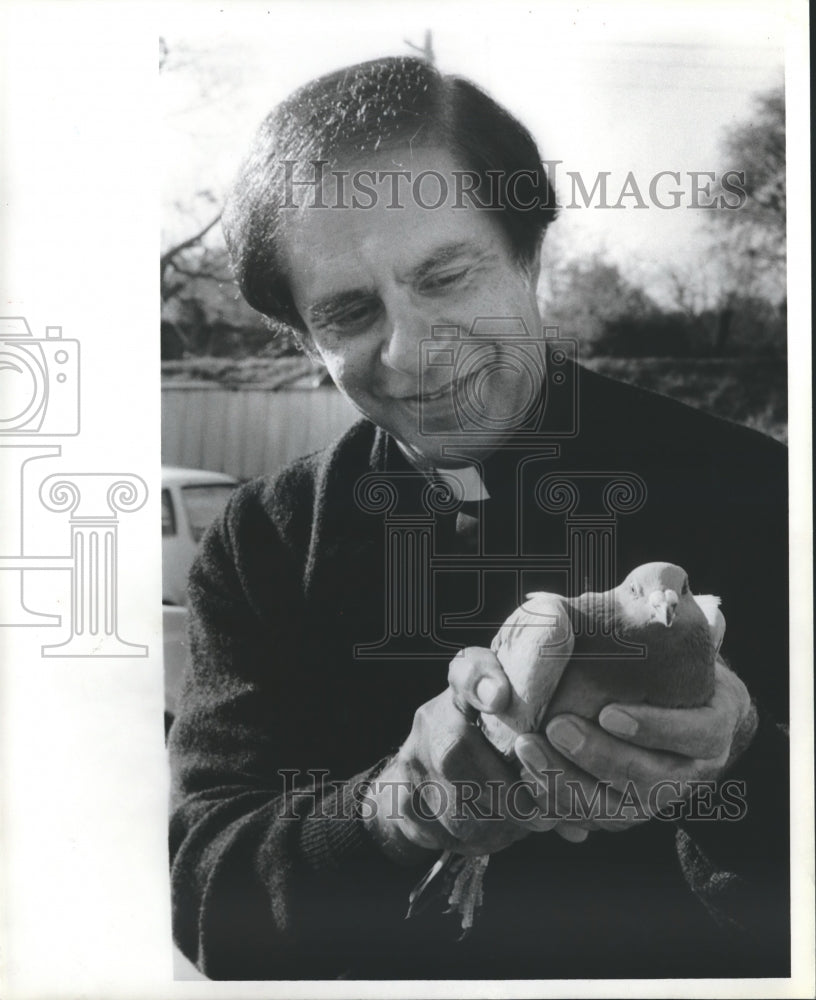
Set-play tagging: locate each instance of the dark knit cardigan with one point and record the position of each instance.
(269, 884)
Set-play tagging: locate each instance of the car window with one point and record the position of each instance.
(203, 504)
(168, 514)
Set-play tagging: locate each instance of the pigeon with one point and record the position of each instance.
(648, 640)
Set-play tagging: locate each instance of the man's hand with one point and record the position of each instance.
(636, 747)
(448, 788)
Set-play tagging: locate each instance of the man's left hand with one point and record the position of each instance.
(636, 747)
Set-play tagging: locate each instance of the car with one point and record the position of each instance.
(191, 500)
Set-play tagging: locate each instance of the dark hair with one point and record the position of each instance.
(363, 109)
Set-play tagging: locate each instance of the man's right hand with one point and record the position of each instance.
(447, 787)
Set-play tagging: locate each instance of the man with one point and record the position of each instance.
(394, 217)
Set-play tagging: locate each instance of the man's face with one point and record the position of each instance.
(372, 283)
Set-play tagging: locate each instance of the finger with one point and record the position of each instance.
(482, 790)
(414, 825)
(523, 807)
(631, 770)
(703, 733)
(465, 782)
(478, 682)
(700, 733)
(450, 748)
(729, 688)
(571, 832)
(568, 794)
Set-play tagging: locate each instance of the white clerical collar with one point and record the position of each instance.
(465, 480)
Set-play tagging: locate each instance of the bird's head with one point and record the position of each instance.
(655, 593)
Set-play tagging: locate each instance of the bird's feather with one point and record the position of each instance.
(534, 647)
(710, 606)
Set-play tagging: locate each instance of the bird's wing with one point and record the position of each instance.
(710, 606)
(533, 646)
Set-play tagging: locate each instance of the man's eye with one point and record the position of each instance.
(445, 279)
(355, 317)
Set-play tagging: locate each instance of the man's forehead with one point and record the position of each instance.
(333, 252)
(397, 179)
(346, 236)
(334, 287)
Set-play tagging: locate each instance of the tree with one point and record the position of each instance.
(751, 238)
(426, 50)
(734, 297)
(587, 299)
(200, 307)
(189, 259)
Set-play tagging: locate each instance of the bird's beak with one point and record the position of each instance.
(664, 606)
(664, 613)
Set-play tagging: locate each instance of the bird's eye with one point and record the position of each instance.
(685, 589)
(634, 588)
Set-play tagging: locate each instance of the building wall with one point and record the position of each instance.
(248, 432)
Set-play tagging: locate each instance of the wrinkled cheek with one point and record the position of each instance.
(353, 381)
(346, 377)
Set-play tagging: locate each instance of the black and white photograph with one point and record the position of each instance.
(471, 396)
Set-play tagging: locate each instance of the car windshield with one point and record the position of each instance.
(203, 503)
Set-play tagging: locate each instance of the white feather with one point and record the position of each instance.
(534, 647)
(710, 606)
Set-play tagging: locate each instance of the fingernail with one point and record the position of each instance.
(565, 735)
(618, 722)
(534, 757)
(574, 834)
(542, 824)
(526, 807)
(486, 691)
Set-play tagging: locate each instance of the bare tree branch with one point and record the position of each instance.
(201, 272)
(168, 255)
(426, 49)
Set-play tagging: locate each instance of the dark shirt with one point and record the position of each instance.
(296, 665)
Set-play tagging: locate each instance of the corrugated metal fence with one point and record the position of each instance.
(248, 432)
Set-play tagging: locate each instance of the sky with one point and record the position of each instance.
(602, 87)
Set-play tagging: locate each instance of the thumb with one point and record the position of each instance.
(478, 682)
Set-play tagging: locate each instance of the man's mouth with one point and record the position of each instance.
(444, 390)
(430, 395)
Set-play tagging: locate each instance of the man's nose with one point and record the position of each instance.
(402, 340)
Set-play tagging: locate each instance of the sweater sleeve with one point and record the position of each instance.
(738, 864)
(274, 875)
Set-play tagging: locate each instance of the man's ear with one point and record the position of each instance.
(533, 270)
(306, 345)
